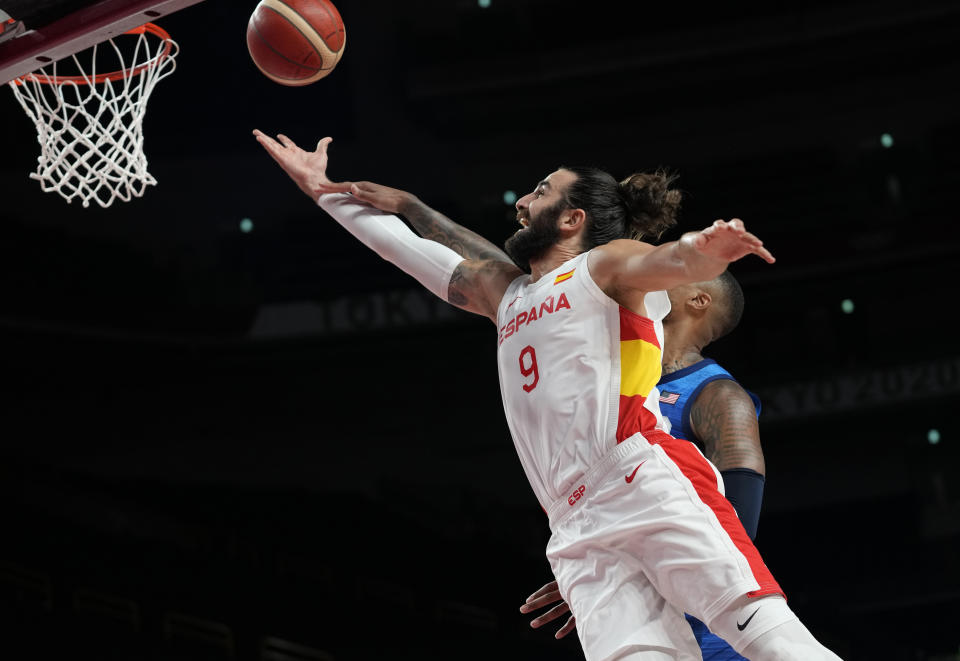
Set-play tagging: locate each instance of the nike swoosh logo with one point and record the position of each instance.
(743, 626)
(629, 478)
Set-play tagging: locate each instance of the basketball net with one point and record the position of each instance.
(90, 125)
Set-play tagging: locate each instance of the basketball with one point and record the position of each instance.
(295, 42)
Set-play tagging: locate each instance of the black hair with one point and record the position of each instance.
(731, 303)
(641, 206)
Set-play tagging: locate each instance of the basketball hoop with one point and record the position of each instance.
(90, 125)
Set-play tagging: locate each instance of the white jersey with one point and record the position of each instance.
(578, 373)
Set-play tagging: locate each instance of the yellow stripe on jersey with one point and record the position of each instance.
(639, 367)
(564, 276)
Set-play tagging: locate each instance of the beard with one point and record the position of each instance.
(534, 240)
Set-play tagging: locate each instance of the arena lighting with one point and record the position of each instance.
(509, 197)
(847, 306)
(886, 140)
(246, 225)
(933, 436)
(483, 3)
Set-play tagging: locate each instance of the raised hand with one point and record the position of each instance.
(391, 200)
(728, 241)
(307, 169)
(549, 594)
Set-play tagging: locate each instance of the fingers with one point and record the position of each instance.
(550, 615)
(263, 138)
(274, 149)
(361, 192)
(539, 602)
(765, 254)
(754, 243)
(570, 625)
(285, 141)
(342, 187)
(734, 225)
(549, 587)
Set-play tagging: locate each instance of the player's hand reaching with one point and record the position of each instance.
(549, 594)
(307, 169)
(391, 200)
(727, 241)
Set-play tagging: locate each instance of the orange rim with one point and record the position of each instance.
(153, 29)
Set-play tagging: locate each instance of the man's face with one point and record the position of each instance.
(538, 212)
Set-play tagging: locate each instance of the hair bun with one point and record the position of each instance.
(651, 203)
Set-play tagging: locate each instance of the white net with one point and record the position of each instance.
(90, 125)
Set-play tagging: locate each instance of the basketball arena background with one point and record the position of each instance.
(230, 431)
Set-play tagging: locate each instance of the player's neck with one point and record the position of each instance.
(557, 254)
(677, 362)
(683, 343)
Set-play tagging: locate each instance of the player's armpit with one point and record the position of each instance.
(478, 285)
(724, 417)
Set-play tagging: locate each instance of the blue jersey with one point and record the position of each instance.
(678, 391)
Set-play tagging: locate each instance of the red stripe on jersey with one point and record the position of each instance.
(640, 356)
(634, 417)
(564, 276)
(696, 469)
(635, 327)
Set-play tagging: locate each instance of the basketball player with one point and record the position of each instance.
(641, 532)
(701, 399)
(707, 406)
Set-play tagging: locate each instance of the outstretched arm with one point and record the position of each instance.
(695, 257)
(475, 286)
(430, 223)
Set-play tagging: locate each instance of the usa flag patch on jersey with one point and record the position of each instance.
(669, 397)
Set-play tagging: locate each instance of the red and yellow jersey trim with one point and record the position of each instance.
(640, 358)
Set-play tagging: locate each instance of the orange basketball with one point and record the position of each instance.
(295, 42)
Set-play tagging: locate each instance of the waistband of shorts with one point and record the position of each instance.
(561, 507)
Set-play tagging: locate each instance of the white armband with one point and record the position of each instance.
(429, 262)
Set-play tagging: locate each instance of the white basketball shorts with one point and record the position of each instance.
(646, 536)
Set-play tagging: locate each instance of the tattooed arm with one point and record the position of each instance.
(724, 417)
(433, 225)
(474, 285)
(430, 223)
(478, 283)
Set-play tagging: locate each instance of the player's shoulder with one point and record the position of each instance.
(624, 247)
(725, 395)
(607, 259)
(724, 383)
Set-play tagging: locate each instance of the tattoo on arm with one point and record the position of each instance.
(457, 291)
(725, 419)
(478, 286)
(433, 225)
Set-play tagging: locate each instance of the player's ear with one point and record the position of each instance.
(700, 300)
(573, 219)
